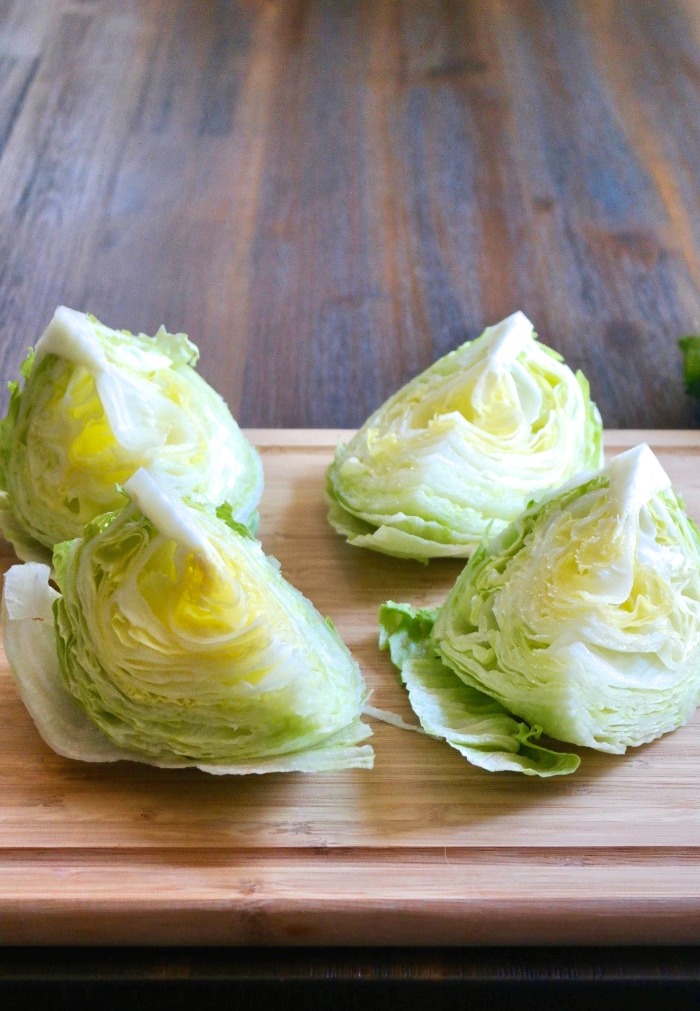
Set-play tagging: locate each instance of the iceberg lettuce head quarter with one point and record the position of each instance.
(95, 405)
(583, 616)
(464, 447)
(175, 641)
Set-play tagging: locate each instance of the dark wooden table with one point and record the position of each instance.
(327, 196)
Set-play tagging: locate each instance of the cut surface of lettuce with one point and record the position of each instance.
(583, 616)
(473, 723)
(95, 404)
(173, 640)
(464, 447)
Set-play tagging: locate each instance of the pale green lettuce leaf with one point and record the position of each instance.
(473, 723)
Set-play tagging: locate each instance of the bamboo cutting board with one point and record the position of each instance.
(423, 849)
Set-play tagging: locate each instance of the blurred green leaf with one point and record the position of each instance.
(690, 348)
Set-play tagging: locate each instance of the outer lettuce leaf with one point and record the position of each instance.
(175, 641)
(473, 723)
(93, 406)
(583, 616)
(464, 447)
